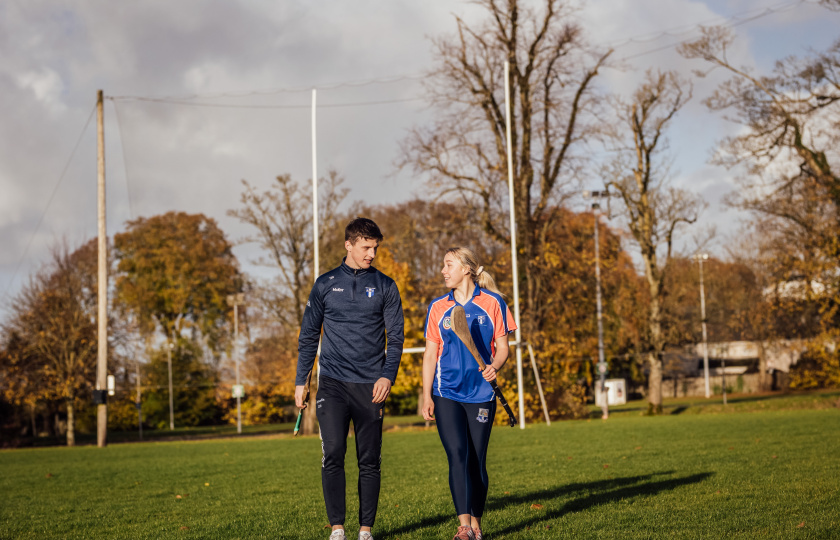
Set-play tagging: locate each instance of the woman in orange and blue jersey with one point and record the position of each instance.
(455, 393)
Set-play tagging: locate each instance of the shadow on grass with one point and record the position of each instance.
(605, 491)
(592, 494)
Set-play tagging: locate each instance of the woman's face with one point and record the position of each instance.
(453, 272)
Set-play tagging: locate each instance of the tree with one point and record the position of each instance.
(49, 342)
(176, 270)
(282, 218)
(567, 347)
(194, 381)
(464, 152)
(733, 297)
(653, 210)
(790, 119)
(174, 273)
(787, 149)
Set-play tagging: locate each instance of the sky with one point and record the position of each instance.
(365, 58)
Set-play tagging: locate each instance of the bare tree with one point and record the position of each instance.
(282, 217)
(791, 119)
(464, 151)
(789, 151)
(653, 210)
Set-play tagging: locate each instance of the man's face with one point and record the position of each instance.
(361, 254)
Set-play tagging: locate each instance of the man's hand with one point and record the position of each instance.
(300, 392)
(381, 389)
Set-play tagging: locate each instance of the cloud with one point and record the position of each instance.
(192, 158)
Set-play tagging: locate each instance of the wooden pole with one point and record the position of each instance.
(102, 279)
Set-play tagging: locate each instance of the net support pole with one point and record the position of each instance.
(102, 277)
(539, 384)
(513, 251)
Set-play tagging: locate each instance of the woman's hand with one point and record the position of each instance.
(489, 373)
(428, 409)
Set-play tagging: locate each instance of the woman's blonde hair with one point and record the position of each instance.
(468, 260)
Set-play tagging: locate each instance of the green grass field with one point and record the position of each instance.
(771, 474)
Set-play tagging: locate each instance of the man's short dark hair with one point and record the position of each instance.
(362, 228)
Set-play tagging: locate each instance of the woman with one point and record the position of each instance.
(455, 393)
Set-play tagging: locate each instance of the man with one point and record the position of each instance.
(356, 305)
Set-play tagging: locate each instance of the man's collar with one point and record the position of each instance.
(350, 270)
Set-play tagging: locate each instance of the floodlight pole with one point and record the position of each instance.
(236, 300)
(169, 346)
(515, 270)
(102, 280)
(700, 257)
(138, 402)
(602, 363)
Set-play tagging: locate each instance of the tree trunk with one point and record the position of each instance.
(656, 343)
(654, 383)
(763, 382)
(71, 423)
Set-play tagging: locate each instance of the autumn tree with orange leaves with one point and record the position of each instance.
(49, 341)
(174, 273)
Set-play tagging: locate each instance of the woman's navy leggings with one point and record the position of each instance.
(464, 430)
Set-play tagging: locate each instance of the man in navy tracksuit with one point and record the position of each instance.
(356, 305)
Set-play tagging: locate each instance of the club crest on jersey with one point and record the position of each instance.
(447, 323)
(370, 291)
(483, 415)
(480, 319)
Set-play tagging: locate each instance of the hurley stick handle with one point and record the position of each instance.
(462, 330)
(305, 400)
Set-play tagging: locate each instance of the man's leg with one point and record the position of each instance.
(332, 409)
(367, 423)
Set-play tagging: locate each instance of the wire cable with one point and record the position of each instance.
(235, 106)
(49, 202)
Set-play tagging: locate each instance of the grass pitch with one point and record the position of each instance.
(773, 474)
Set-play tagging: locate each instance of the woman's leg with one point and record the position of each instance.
(451, 420)
(480, 423)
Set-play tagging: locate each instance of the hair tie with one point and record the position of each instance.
(479, 271)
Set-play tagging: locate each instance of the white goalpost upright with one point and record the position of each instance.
(315, 266)
(515, 270)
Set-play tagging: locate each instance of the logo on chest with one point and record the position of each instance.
(370, 291)
(480, 319)
(447, 323)
(336, 289)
